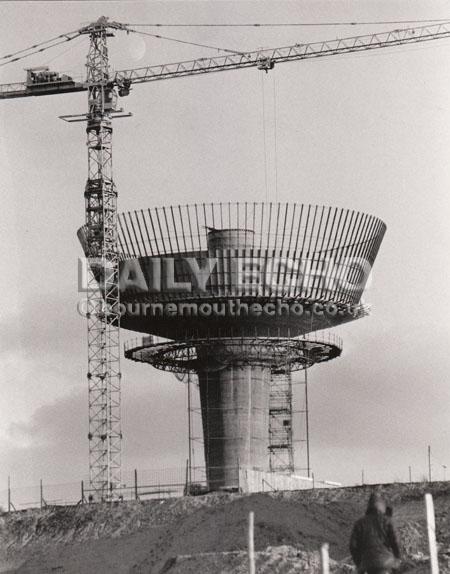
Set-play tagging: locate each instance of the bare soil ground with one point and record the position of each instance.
(207, 535)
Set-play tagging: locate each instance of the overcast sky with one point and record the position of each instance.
(370, 132)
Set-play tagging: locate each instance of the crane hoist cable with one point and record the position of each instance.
(270, 136)
(275, 130)
(263, 99)
(37, 48)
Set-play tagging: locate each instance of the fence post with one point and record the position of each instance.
(10, 502)
(251, 543)
(239, 474)
(136, 495)
(431, 529)
(41, 494)
(187, 489)
(313, 481)
(83, 494)
(324, 559)
(429, 463)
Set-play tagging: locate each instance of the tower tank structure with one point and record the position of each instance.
(240, 293)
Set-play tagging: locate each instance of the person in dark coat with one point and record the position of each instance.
(373, 544)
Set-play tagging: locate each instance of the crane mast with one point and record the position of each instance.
(103, 314)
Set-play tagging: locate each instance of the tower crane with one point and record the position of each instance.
(103, 88)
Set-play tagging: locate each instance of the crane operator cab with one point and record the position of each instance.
(107, 102)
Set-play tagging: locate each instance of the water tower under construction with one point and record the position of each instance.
(242, 295)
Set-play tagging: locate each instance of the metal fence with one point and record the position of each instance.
(136, 485)
(160, 483)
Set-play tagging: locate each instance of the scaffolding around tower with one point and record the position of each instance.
(281, 445)
(288, 409)
(241, 390)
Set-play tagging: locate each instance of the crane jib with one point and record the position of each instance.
(262, 59)
(266, 59)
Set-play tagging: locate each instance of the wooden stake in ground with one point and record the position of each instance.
(324, 559)
(251, 543)
(431, 528)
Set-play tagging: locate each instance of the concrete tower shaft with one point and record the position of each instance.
(235, 411)
(234, 394)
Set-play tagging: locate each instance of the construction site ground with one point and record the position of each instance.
(208, 534)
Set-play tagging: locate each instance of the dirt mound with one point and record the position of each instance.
(280, 559)
(144, 537)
